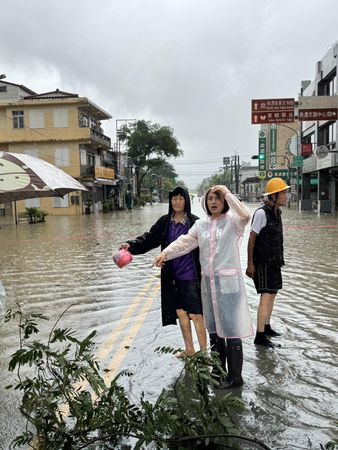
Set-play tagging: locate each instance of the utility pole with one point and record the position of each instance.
(237, 173)
(226, 163)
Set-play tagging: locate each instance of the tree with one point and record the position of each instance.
(217, 178)
(149, 144)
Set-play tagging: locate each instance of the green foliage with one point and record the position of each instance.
(107, 206)
(138, 202)
(332, 445)
(223, 178)
(68, 406)
(149, 145)
(36, 214)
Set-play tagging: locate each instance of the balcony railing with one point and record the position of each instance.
(100, 138)
(86, 170)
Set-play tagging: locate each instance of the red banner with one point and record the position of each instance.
(306, 150)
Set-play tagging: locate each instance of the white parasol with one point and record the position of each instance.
(24, 176)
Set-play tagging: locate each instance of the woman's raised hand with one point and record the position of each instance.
(220, 188)
(124, 246)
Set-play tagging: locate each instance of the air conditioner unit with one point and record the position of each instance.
(83, 122)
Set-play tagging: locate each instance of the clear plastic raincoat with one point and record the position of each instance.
(225, 306)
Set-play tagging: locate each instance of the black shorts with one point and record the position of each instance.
(187, 296)
(268, 279)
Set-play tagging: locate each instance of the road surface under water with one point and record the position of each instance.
(290, 394)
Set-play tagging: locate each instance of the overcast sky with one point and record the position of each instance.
(193, 65)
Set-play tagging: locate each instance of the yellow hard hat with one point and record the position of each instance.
(275, 185)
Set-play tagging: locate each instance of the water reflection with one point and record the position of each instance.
(289, 394)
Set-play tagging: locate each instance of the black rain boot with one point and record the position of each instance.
(261, 339)
(268, 331)
(235, 365)
(217, 344)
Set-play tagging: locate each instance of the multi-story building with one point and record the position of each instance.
(65, 130)
(320, 176)
(277, 150)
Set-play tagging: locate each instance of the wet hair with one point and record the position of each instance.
(225, 208)
(177, 191)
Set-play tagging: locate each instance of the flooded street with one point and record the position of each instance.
(289, 395)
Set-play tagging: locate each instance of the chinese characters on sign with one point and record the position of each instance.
(318, 114)
(273, 146)
(261, 151)
(281, 104)
(273, 111)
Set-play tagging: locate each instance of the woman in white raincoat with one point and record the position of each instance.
(225, 307)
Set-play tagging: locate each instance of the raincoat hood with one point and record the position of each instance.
(180, 191)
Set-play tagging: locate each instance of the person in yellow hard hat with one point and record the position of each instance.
(265, 256)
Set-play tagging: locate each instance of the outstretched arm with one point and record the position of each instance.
(183, 245)
(147, 241)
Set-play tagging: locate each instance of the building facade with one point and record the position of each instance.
(277, 149)
(320, 176)
(65, 130)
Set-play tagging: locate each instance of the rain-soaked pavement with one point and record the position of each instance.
(290, 394)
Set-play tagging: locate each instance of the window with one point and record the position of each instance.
(60, 202)
(3, 88)
(328, 86)
(62, 157)
(32, 203)
(60, 118)
(36, 119)
(18, 121)
(90, 159)
(83, 157)
(327, 135)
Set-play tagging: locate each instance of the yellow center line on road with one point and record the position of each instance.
(107, 345)
(120, 355)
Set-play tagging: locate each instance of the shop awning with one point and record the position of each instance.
(105, 181)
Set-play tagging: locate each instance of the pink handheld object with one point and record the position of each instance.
(122, 258)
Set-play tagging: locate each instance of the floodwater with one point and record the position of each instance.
(290, 393)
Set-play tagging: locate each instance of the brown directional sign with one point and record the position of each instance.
(272, 117)
(277, 110)
(318, 114)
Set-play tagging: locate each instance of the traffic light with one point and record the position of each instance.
(254, 157)
(261, 151)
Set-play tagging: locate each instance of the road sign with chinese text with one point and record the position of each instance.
(273, 146)
(318, 114)
(281, 173)
(297, 161)
(277, 110)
